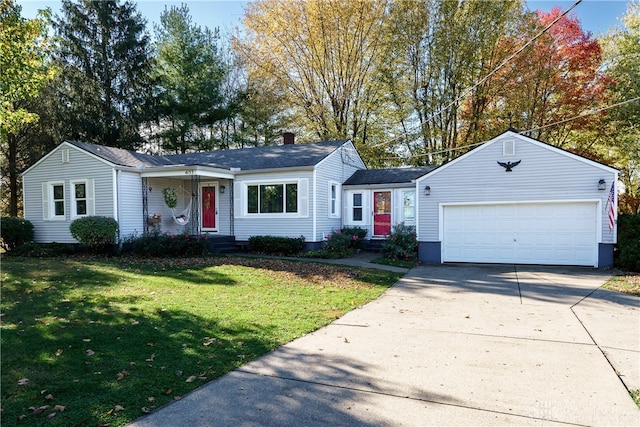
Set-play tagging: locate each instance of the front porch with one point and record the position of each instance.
(202, 202)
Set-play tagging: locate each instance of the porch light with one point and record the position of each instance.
(427, 190)
(222, 188)
(602, 185)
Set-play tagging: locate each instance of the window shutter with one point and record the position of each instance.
(303, 198)
(45, 201)
(91, 204)
(238, 209)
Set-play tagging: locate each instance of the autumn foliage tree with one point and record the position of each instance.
(24, 71)
(325, 53)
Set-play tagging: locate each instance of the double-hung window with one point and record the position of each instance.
(79, 192)
(276, 198)
(56, 196)
(357, 207)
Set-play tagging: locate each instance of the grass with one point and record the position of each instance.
(102, 341)
(395, 262)
(628, 283)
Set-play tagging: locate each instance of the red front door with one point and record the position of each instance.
(208, 207)
(381, 213)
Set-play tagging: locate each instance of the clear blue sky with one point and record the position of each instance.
(596, 16)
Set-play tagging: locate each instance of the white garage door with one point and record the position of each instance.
(523, 233)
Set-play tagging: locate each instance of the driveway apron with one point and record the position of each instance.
(446, 345)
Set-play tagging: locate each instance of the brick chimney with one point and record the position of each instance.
(289, 138)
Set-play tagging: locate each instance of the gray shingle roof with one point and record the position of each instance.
(387, 176)
(269, 157)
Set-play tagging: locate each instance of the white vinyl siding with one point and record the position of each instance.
(280, 224)
(80, 167)
(130, 204)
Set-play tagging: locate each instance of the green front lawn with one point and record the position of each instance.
(87, 342)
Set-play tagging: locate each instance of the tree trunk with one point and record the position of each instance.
(13, 174)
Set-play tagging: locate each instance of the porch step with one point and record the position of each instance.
(222, 244)
(373, 245)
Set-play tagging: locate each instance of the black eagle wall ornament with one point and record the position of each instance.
(508, 166)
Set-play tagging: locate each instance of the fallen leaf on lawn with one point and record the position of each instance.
(208, 341)
(168, 391)
(59, 352)
(151, 399)
(178, 373)
(118, 408)
(191, 379)
(90, 352)
(135, 322)
(59, 408)
(40, 409)
(48, 397)
(122, 374)
(86, 339)
(23, 381)
(150, 344)
(150, 359)
(145, 410)
(132, 363)
(51, 415)
(177, 398)
(110, 411)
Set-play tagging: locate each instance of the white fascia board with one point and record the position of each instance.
(408, 185)
(271, 170)
(184, 171)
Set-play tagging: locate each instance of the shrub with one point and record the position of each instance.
(95, 232)
(273, 245)
(15, 232)
(401, 244)
(344, 242)
(156, 244)
(628, 248)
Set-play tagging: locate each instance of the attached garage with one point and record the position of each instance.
(521, 233)
(517, 200)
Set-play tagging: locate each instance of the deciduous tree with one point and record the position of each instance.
(24, 70)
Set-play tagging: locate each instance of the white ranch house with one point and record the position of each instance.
(511, 200)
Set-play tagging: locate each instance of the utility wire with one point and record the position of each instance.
(485, 78)
(579, 116)
(588, 113)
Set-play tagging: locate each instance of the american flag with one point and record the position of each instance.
(610, 202)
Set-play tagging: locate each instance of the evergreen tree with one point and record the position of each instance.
(104, 54)
(189, 73)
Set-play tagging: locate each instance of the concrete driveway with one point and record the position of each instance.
(446, 345)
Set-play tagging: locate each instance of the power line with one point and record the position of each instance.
(588, 113)
(495, 70)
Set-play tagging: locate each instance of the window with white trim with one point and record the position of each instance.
(79, 198)
(274, 198)
(409, 205)
(356, 207)
(334, 199)
(56, 203)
